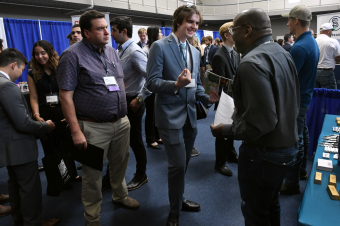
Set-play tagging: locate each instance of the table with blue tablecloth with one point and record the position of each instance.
(316, 207)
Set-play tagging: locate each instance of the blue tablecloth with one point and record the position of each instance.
(316, 207)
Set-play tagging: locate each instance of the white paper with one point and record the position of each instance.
(225, 110)
(192, 84)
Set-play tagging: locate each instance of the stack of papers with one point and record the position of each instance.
(325, 165)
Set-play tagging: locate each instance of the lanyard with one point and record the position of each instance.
(120, 56)
(49, 81)
(94, 53)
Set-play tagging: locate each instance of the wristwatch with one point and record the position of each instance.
(140, 100)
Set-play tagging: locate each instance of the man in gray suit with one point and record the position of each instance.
(18, 146)
(174, 76)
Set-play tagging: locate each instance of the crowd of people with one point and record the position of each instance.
(101, 95)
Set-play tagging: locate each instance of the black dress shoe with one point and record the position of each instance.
(173, 220)
(157, 146)
(41, 168)
(190, 206)
(303, 175)
(137, 181)
(80, 166)
(224, 170)
(289, 190)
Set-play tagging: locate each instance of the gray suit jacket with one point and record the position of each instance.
(164, 66)
(17, 143)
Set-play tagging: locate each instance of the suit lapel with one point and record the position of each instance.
(229, 59)
(175, 51)
(191, 56)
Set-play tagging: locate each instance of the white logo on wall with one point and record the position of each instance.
(335, 20)
(62, 168)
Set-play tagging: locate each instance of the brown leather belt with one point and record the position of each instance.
(326, 69)
(92, 120)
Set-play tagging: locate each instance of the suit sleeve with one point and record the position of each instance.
(154, 70)
(218, 65)
(12, 101)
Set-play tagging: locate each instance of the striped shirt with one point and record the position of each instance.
(329, 49)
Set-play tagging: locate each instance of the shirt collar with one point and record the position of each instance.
(125, 45)
(303, 35)
(229, 49)
(177, 40)
(6, 75)
(258, 42)
(93, 47)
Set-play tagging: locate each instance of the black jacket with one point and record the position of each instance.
(212, 51)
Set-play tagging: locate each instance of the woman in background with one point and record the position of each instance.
(44, 90)
(151, 132)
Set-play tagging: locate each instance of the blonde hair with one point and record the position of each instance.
(224, 29)
(142, 31)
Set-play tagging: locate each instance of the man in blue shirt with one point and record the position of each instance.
(305, 53)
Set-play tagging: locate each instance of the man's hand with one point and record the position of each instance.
(214, 97)
(79, 140)
(216, 130)
(182, 80)
(134, 105)
(50, 126)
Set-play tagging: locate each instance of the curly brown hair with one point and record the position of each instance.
(38, 69)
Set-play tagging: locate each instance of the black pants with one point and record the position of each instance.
(55, 114)
(224, 149)
(25, 195)
(136, 140)
(151, 131)
(51, 141)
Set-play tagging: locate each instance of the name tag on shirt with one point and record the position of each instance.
(111, 83)
(192, 84)
(52, 98)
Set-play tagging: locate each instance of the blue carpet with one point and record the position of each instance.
(218, 195)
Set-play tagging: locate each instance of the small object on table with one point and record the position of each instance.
(325, 155)
(332, 192)
(325, 165)
(335, 156)
(332, 180)
(318, 178)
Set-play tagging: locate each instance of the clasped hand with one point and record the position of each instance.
(183, 79)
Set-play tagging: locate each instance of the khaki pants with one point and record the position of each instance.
(114, 138)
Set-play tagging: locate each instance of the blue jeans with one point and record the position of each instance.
(325, 79)
(260, 174)
(293, 177)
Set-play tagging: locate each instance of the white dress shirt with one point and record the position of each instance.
(188, 51)
(329, 49)
(6, 75)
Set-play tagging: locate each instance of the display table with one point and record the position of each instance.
(316, 207)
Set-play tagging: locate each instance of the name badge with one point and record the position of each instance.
(192, 84)
(52, 98)
(110, 80)
(111, 83)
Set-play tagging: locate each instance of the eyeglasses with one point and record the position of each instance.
(231, 29)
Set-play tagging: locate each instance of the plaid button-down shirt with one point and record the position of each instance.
(81, 69)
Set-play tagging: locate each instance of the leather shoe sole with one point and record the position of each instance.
(51, 222)
(224, 170)
(132, 185)
(157, 146)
